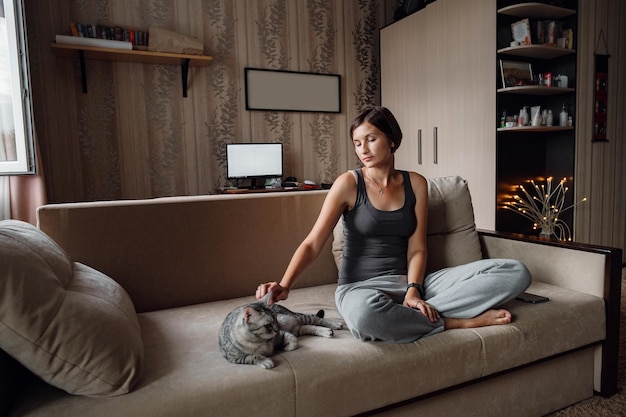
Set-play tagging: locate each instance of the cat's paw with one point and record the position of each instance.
(336, 324)
(325, 332)
(290, 342)
(265, 363)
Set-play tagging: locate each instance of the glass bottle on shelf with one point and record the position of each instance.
(524, 116)
(563, 116)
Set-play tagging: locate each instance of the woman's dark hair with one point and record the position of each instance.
(383, 120)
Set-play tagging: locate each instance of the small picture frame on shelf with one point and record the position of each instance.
(521, 32)
(515, 73)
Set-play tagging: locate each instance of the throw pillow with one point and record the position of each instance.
(69, 324)
(452, 238)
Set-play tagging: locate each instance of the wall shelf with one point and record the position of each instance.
(536, 90)
(536, 51)
(83, 53)
(537, 10)
(535, 128)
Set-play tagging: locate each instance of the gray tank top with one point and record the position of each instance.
(375, 241)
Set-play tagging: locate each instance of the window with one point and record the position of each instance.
(16, 127)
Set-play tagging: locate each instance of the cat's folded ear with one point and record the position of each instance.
(267, 298)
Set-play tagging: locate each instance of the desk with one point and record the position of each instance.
(266, 190)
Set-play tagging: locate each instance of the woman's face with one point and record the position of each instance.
(371, 145)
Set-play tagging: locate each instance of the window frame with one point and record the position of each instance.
(21, 91)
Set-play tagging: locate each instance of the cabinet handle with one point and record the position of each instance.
(435, 145)
(419, 146)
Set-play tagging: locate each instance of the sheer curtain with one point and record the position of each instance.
(20, 195)
(5, 199)
(27, 192)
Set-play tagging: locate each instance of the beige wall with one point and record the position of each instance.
(601, 166)
(133, 135)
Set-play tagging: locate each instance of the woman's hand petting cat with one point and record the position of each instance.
(417, 303)
(278, 292)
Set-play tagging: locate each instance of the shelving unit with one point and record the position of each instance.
(536, 90)
(535, 128)
(535, 51)
(536, 10)
(83, 53)
(534, 152)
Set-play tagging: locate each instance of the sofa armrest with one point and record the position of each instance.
(14, 382)
(591, 269)
(5, 385)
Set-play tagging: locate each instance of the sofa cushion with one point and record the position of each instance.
(570, 319)
(69, 324)
(185, 374)
(452, 238)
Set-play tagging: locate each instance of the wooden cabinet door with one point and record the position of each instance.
(463, 100)
(442, 85)
(436, 91)
(402, 84)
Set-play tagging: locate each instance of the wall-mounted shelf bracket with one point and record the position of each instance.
(184, 72)
(83, 69)
(142, 57)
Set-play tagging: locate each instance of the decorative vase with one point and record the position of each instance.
(547, 231)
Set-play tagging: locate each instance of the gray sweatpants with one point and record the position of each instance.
(373, 308)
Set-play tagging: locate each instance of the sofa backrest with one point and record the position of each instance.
(452, 238)
(175, 251)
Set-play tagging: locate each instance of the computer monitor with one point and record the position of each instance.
(254, 160)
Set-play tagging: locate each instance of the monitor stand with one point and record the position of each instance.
(253, 184)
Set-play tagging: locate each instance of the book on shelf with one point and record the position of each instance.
(137, 37)
(73, 29)
(101, 43)
(540, 31)
(570, 38)
(552, 33)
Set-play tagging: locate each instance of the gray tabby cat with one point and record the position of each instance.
(251, 333)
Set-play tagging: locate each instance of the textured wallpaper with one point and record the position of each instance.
(133, 134)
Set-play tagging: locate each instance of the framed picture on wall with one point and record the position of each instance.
(278, 90)
(601, 98)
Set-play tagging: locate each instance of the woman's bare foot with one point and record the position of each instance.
(488, 318)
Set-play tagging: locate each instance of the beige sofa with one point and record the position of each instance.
(186, 262)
